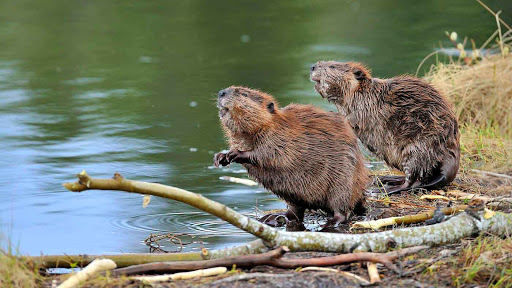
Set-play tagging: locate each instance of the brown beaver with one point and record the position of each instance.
(403, 120)
(304, 155)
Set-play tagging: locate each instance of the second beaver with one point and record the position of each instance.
(304, 155)
(403, 120)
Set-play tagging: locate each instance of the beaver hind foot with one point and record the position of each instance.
(437, 183)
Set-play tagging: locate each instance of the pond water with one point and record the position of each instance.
(130, 86)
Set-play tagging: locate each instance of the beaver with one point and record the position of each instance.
(402, 120)
(306, 156)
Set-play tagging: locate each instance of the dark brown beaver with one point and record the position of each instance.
(403, 120)
(304, 155)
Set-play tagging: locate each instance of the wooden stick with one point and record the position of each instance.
(403, 220)
(494, 14)
(373, 272)
(504, 176)
(182, 275)
(272, 258)
(399, 203)
(92, 269)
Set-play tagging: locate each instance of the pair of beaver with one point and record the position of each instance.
(310, 158)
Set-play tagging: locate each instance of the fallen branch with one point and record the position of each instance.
(452, 230)
(129, 259)
(92, 269)
(404, 220)
(183, 275)
(272, 258)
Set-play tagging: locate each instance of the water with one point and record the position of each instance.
(129, 87)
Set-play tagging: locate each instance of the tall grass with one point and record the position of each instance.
(16, 273)
(480, 88)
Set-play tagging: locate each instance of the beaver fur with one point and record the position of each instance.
(304, 155)
(402, 120)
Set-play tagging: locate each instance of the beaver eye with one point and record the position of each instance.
(244, 94)
(332, 67)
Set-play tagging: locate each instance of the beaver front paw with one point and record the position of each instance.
(220, 159)
(238, 156)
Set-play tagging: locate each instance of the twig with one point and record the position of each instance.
(505, 176)
(183, 275)
(399, 203)
(373, 272)
(247, 182)
(403, 220)
(493, 13)
(92, 269)
(272, 258)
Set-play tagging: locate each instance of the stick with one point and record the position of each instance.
(373, 272)
(129, 259)
(505, 176)
(272, 258)
(494, 14)
(399, 203)
(182, 275)
(404, 220)
(92, 269)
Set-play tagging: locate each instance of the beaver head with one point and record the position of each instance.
(336, 80)
(244, 110)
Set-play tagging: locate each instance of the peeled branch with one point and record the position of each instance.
(404, 220)
(182, 275)
(95, 267)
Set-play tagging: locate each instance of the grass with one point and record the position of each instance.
(16, 273)
(480, 90)
(484, 261)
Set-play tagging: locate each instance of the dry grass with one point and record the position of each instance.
(481, 93)
(484, 261)
(15, 273)
(480, 90)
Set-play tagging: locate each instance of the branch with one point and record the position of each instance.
(92, 269)
(452, 230)
(129, 259)
(272, 258)
(182, 276)
(404, 220)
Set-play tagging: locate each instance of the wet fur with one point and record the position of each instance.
(402, 120)
(304, 155)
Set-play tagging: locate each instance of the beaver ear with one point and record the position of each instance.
(270, 107)
(360, 75)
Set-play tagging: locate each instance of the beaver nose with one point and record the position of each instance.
(222, 93)
(313, 67)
